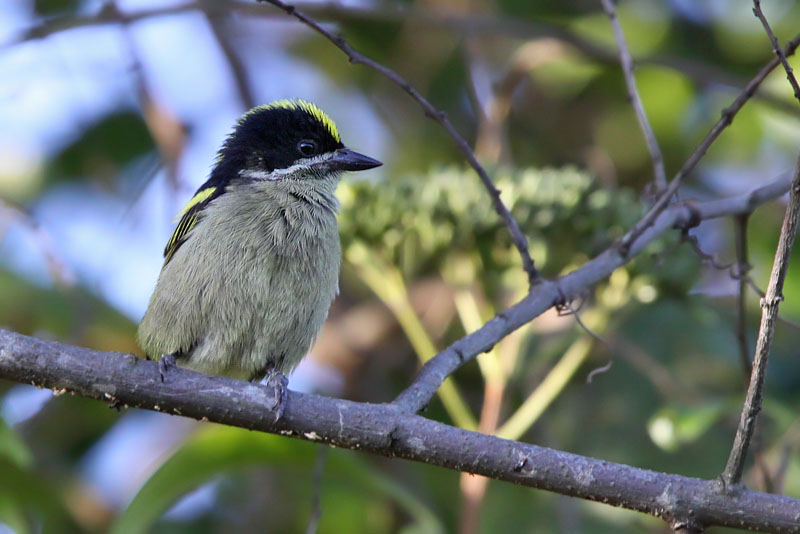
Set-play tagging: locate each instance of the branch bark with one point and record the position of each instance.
(123, 379)
(776, 47)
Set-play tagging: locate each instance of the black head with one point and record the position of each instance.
(283, 134)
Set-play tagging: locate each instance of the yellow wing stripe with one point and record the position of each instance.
(188, 218)
(197, 199)
(186, 224)
(306, 106)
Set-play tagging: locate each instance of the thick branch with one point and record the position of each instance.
(382, 429)
(626, 62)
(548, 293)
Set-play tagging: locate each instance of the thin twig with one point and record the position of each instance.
(653, 370)
(439, 116)
(164, 127)
(625, 60)
(217, 18)
(776, 47)
(61, 274)
(769, 306)
(565, 308)
(727, 118)
(730, 267)
(598, 371)
(316, 489)
(742, 268)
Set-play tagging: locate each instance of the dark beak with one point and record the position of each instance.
(345, 159)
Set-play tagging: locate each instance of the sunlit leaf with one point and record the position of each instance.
(218, 449)
(22, 489)
(12, 447)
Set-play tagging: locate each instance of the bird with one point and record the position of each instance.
(252, 265)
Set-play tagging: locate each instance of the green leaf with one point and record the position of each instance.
(55, 7)
(23, 493)
(12, 447)
(218, 449)
(675, 426)
(212, 450)
(104, 148)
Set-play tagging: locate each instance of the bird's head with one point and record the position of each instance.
(288, 140)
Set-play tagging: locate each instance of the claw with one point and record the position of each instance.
(165, 365)
(278, 383)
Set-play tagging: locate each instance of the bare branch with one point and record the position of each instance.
(625, 60)
(769, 314)
(776, 47)
(552, 293)
(61, 274)
(432, 112)
(217, 20)
(727, 118)
(125, 380)
(316, 489)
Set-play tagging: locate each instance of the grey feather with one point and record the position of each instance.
(252, 284)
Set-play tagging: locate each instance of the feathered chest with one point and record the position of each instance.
(278, 221)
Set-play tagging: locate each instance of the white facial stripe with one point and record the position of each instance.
(279, 174)
(256, 174)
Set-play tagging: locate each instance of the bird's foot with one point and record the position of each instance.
(278, 382)
(165, 365)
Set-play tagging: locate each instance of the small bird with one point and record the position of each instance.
(253, 264)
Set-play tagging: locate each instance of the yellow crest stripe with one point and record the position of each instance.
(306, 106)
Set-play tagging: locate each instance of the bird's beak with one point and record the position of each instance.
(345, 159)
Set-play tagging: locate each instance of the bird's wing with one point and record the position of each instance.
(189, 216)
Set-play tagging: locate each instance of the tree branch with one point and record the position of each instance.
(549, 293)
(626, 62)
(123, 379)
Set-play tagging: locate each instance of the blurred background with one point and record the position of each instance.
(110, 116)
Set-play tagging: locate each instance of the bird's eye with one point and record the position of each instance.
(307, 147)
